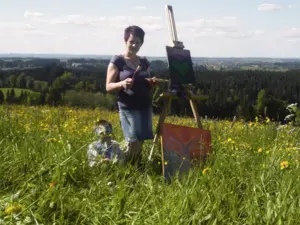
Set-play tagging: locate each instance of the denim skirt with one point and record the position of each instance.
(136, 123)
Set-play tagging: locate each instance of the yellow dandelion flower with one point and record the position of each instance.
(27, 127)
(13, 209)
(206, 170)
(260, 150)
(51, 185)
(284, 165)
(52, 140)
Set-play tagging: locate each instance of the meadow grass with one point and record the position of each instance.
(252, 176)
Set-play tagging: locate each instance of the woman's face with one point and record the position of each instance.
(133, 44)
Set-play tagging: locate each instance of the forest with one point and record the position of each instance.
(241, 93)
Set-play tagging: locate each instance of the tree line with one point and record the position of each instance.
(242, 93)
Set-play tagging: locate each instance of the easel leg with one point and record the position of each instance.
(198, 121)
(162, 156)
(164, 113)
(195, 112)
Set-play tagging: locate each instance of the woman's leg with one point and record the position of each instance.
(143, 129)
(130, 123)
(147, 124)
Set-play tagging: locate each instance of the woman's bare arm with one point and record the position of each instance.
(111, 77)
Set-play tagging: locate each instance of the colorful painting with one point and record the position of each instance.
(183, 144)
(180, 66)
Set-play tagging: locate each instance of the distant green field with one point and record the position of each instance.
(253, 67)
(17, 91)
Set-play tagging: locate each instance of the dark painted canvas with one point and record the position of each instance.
(180, 66)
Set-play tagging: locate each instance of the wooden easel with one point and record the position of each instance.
(168, 96)
(167, 100)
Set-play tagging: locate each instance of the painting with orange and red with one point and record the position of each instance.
(187, 142)
(181, 146)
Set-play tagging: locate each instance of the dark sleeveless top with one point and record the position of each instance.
(138, 97)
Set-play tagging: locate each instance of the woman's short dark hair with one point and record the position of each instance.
(136, 31)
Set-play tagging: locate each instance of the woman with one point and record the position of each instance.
(128, 74)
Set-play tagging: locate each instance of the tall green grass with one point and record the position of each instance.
(252, 177)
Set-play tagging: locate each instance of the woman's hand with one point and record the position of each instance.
(127, 83)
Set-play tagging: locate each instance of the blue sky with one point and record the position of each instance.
(215, 28)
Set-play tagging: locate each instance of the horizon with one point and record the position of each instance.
(214, 29)
(43, 55)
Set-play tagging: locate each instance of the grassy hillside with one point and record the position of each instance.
(252, 177)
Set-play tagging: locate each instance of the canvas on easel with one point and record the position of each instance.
(180, 66)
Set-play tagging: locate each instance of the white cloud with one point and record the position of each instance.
(149, 23)
(269, 7)
(20, 28)
(76, 19)
(293, 33)
(294, 40)
(222, 24)
(87, 34)
(38, 33)
(211, 27)
(230, 18)
(28, 26)
(239, 34)
(227, 27)
(29, 14)
(140, 8)
(149, 19)
(152, 27)
(290, 6)
(253, 34)
(120, 19)
(10, 25)
(258, 32)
